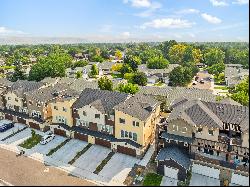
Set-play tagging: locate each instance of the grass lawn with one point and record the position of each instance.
(152, 179)
(116, 75)
(7, 67)
(104, 162)
(78, 154)
(52, 151)
(159, 84)
(31, 142)
(221, 87)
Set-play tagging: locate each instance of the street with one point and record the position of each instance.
(21, 171)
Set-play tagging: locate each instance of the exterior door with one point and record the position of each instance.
(102, 142)
(80, 136)
(34, 125)
(60, 132)
(171, 172)
(9, 117)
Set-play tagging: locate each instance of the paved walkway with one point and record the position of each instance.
(167, 181)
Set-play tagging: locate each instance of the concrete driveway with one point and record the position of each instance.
(92, 158)
(201, 180)
(205, 76)
(16, 127)
(68, 151)
(19, 137)
(167, 181)
(118, 167)
(44, 149)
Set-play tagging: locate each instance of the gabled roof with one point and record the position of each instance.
(5, 83)
(144, 68)
(138, 106)
(210, 114)
(175, 154)
(102, 100)
(81, 84)
(22, 86)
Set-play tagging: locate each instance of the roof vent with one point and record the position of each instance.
(55, 94)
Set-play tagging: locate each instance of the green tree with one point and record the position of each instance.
(132, 61)
(80, 63)
(18, 74)
(118, 54)
(78, 74)
(97, 58)
(128, 88)
(241, 92)
(157, 63)
(216, 69)
(126, 69)
(140, 78)
(214, 56)
(165, 46)
(104, 83)
(176, 53)
(94, 70)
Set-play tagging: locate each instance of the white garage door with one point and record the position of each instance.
(171, 172)
(207, 171)
(239, 179)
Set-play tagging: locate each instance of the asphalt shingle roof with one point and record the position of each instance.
(175, 154)
(5, 82)
(139, 106)
(143, 68)
(102, 100)
(81, 84)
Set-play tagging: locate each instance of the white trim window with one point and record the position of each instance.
(82, 123)
(9, 107)
(36, 114)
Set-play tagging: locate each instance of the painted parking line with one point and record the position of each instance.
(68, 151)
(92, 158)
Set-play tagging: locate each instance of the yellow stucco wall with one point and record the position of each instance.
(180, 127)
(144, 131)
(245, 139)
(67, 115)
(12, 100)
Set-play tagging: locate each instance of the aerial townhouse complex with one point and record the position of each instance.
(212, 136)
(119, 121)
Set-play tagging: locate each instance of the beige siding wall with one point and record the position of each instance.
(90, 115)
(245, 139)
(12, 100)
(67, 115)
(204, 134)
(180, 127)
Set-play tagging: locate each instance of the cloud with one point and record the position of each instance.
(191, 35)
(106, 28)
(167, 23)
(218, 3)
(6, 31)
(188, 11)
(150, 11)
(139, 3)
(125, 34)
(241, 2)
(211, 19)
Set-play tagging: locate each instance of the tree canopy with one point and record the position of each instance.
(104, 83)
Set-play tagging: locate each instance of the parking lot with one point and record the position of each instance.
(116, 169)
(68, 151)
(121, 168)
(16, 127)
(92, 158)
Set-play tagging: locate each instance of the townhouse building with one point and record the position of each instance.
(212, 136)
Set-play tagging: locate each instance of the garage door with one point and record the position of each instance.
(171, 172)
(126, 150)
(59, 132)
(239, 179)
(80, 136)
(21, 120)
(9, 117)
(102, 142)
(34, 125)
(206, 171)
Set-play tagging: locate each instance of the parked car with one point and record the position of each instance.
(5, 126)
(47, 138)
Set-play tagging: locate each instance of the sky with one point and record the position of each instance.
(118, 20)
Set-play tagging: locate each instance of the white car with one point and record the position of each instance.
(47, 138)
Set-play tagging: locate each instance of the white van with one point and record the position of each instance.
(47, 138)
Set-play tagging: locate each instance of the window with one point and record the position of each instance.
(199, 130)
(211, 132)
(30, 103)
(130, 134)
(175, 128)
(84, 113)
(64, 109)
(55, 107)
(9, 98)
(97, 116)
(122, 133)
(126, 134)
(184, 129)
(16, 99)
(135, 123)
(135, 137)
(122, 120)
(38, 104)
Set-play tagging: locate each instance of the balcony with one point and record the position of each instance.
(223, 138)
